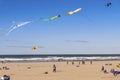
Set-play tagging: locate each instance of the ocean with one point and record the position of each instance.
(57, 57)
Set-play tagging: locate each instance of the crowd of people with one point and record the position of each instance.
(113, 71)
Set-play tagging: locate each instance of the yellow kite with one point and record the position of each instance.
(35, 48)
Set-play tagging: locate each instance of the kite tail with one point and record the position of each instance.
(9, 31)
(17, 26)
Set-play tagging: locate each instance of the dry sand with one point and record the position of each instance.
(36, 70)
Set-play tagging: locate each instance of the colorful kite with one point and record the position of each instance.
(18, 25)
(43, 19)
(52, 18)
(35, 48)
(75, 11)
(28, 22)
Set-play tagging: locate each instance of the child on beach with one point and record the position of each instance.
(54, 68)
(102, 69)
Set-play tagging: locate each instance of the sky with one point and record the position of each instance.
(93, 30)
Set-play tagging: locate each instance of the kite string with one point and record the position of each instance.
(88, 18)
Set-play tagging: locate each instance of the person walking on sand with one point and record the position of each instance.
(54, 68)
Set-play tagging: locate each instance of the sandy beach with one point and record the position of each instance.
(36, 70)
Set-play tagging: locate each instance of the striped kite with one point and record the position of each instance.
(75, 11)
(52, 18)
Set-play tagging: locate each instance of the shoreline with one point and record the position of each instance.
(57, 61)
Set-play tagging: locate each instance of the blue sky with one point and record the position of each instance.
(94, 30)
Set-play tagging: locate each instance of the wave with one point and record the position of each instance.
(43, 59)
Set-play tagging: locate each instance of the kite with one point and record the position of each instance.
(28, 22)
(108, 4)
(13, 27)
(52, 18)
(75, 11)
(35, 48)
(18, 25)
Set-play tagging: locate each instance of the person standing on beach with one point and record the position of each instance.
(67, 62)
(72, 62)
(102, 69)
(83, 62)
(79, 62)
(54, 68)
(90, 61)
